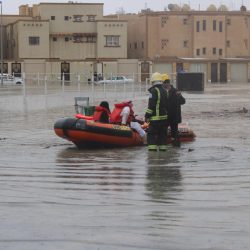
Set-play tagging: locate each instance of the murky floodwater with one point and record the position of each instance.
(54, 196)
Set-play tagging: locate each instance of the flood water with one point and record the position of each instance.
(54, 196)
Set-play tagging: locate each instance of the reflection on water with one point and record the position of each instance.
(96, 167)
(164, 175)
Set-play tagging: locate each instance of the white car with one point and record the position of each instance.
(7, 79)
(116, 79)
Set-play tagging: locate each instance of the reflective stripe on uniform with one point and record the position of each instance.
(162, 147)
(152, 147)
(157, 116)
(158, 102)
(149, 111)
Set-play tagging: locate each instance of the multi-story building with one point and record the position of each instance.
(215, 42)
(76, 38)
(63, 37)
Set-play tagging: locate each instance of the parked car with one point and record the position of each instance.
(116, 79)
(10, 79)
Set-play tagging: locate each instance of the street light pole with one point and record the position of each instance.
(1, 43)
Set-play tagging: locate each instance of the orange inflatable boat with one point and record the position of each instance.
(84, 132)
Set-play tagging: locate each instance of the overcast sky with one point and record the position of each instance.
(131, 6)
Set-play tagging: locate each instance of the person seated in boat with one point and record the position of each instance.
(102, 112)
(123, 114)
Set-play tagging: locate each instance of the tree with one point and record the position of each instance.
(211, 7)
(223, 8)
(174, 7)
(186, 7)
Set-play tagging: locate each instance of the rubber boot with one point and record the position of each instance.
(176, 143)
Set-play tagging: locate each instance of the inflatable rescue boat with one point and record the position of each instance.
(84, 132)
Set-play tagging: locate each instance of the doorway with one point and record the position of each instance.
(214, 72)
(223, 72)
(5, 68)
(145, 71)
(16, 69)
(65, 70)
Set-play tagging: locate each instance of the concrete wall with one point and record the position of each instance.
(27, 29)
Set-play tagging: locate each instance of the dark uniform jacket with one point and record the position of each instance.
(174, 102)
(157, 104)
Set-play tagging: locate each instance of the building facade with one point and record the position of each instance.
(57, 36)
(216, 42)
(69, 38)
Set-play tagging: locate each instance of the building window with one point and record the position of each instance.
(220, 26)
(13, 43)
(91, 18)
(34, 40)
(198, 26)
(112, 41)
(164, 43)
(77, 39)
(246, 21)
(214, 51)
(84, 39)
(220, 52)
(214, 25)
(204, 25)
(135, 45)
(228, 21)
(163, 20)
(54, 39)
(66, 18)
(130, 46)
(204, 51)
(66, 39)
(185, 21)
(52, 18)
(90, 39)
(185, 44)
(246, 43)
(197, 52)
(77, 18)
(228, 43)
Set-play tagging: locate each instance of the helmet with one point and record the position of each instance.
(165, 77)
(156, 77)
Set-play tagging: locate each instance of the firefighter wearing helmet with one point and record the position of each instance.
(156, 115)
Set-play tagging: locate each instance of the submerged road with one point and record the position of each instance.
(54, 196)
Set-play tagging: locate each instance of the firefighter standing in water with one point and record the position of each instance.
(156, 115)
(174, 102)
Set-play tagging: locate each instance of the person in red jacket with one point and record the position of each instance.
(102, 113)
(123, 114)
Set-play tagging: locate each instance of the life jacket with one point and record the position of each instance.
(115, 116)
(99, 110)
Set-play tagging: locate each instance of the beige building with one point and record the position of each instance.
(214, 42)
(69, 38)
(66, 37)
